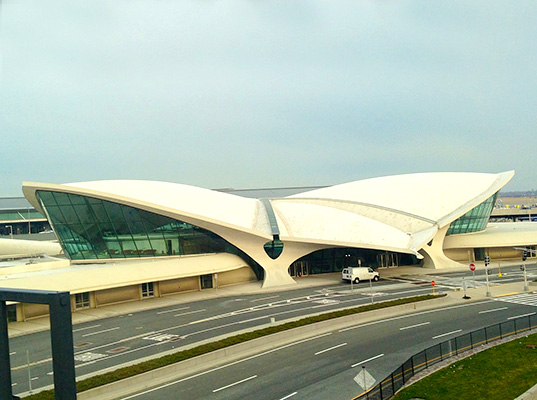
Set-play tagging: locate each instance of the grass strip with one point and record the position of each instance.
(126, 372)
(499, 373)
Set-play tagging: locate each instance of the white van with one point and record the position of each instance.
(357, 274)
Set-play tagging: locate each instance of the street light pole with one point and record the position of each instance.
(487, 275)
(525, 278)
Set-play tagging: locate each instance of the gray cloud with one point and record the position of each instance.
(257, 94)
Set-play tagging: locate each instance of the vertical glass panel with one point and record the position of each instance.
(474, 220)
(90, 228)
(56, 215)
(76, 200)
(99, 212)
(62, 199)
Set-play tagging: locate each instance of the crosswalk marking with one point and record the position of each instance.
(162, 337)
(528, 299)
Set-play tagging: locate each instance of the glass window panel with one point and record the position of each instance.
(78, 200)
(46, 197)
(62, 199)
(131, 214)
(84, 214)
(70, 215)
(114, 212)
(136, 227)
(99, 212)
(56, 215)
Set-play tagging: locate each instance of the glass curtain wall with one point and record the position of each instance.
(90, 228)
(335, 259)
(474, 220)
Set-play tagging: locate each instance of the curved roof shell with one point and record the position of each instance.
(397, 213)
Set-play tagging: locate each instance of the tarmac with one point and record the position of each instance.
(453, 297)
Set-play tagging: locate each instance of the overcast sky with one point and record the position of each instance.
(252, 94)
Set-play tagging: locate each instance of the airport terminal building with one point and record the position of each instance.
(131, 240)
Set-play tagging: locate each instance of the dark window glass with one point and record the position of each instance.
(474, 220)
(90, 228)
(77, 200)
(62, 199)
(56, 214)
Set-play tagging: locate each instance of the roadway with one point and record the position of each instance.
(325, 366)
(112, 342)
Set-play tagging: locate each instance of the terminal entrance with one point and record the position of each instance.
(335, 259)
(388, 260)
(299, 268)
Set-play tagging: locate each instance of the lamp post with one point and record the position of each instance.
(10, 230)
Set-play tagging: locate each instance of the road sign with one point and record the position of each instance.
(364, 379)
(472, 267)
(432, 283)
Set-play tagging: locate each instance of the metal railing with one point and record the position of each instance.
(447, 349)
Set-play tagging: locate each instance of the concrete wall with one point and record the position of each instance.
(179, 285)
(117, 295)
(30, 311)
(245, 274)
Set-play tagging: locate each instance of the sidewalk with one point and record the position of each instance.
(114, 310)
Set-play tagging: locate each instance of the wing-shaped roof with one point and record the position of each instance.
(403, 210)
(182, 200)
(398, 213)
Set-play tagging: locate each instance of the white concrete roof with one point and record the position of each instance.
(434, 196)
(398, 213)
(204, 204)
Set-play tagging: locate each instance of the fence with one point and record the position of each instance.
(442, 351)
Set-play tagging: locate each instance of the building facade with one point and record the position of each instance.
(138, 239)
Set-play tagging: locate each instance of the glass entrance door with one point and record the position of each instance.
(299, 268)
(206, 281)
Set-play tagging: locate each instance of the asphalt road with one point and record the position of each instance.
(115, 341)
(324, 367)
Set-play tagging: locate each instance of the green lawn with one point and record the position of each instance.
(503, 372)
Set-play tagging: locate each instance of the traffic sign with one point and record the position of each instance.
(472, 267)
(432, 283)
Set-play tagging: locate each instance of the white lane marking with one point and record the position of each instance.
(50, 373)
(87, 327)
(289, 395)
(225, 366)
(190, 312)
(413, 315)
(33, 379)
(369, 359)
(446, 334)
(14, 384)
(175, 309)
(12, 353)
(495, 309)
(234, 384)
(523, 315)
(414, 326)
(330, 348)
(99, 332)
(264, 298)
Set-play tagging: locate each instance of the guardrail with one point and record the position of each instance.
(447, 349)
